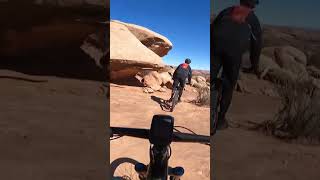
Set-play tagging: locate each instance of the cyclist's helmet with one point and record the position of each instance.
(188, 61)
(250, 3)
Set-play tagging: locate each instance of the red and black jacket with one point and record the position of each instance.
(237, 29)
(183, 71)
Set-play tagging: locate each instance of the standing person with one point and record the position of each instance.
(182, 72)
(235, 30)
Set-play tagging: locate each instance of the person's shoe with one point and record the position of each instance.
(222, 125)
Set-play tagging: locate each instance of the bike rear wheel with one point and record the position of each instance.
(174, 99)
(216, 94)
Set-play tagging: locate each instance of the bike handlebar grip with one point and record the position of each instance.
(133, 132)
(185, 137)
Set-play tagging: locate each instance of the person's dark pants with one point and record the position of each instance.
(176, 83)
(231, 66)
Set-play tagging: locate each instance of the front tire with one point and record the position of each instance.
(124, 169)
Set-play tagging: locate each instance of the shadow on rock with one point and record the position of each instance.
(66, 63)
(128, 81)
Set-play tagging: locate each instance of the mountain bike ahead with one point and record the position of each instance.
(160, 136)
(175, 97)
(216, 95)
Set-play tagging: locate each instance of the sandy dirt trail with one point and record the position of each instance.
(52, 129)
(130, 107)
(242, 154)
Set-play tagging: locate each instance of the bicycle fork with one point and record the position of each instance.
(158, 166)
(173, 173)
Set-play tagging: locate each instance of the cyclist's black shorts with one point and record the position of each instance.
(177, 81)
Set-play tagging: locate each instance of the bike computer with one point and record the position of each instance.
(161, 130)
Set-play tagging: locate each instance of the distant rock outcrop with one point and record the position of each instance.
(125, 46)
(128, 55)
(307, 41)
(152, 40)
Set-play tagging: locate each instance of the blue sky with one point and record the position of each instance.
(186, 23)
(298, 13)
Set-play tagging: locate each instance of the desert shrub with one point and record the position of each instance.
(299, 115)
(203, 98)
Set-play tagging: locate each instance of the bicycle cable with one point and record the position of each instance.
(175, 128)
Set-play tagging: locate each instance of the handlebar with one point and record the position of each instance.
(144, 133)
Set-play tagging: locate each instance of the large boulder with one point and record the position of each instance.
(199, 82)
(285, 57)
(281, 76)
(295, 53)
(313, 71)
(152, 40)
(316, 82)
(155, 80)
(315, 60)
(290, 61)
(200, 79)
(167, 68)
(125, 46)
(166, 79)
(288, 69)
(250, 84)
(200, 85)
(128, 55)
(265, 64)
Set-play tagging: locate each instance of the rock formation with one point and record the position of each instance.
(135, 49)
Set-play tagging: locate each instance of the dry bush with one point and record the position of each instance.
(203, 98)
(299, 116)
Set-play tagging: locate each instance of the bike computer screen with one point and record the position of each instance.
(161, 130)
